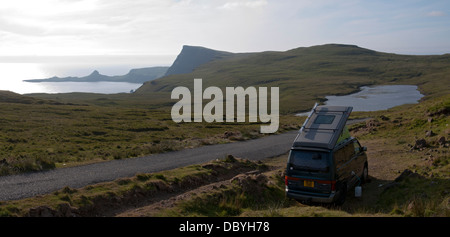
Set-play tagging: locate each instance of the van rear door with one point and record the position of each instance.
(308, 171)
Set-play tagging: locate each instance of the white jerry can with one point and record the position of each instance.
(358, 191)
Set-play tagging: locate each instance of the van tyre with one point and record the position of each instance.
(365, 174)
(342, 195)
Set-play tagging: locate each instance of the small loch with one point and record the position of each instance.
(374, 98)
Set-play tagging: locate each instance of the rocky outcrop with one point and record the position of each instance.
(442, 142)
(63, 210)
(420, 144)
(191, 57)
(407, 174)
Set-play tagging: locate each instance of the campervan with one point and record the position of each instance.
(325, 161)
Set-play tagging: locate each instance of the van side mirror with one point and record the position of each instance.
(363, 149)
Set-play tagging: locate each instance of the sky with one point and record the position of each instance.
(162, 27)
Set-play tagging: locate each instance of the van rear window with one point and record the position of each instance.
(309, 160)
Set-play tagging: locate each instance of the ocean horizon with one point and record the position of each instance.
(14, 70)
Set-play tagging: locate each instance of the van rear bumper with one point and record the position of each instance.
(311, 198)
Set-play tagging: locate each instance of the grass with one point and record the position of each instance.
(44, 136)
(248, 193)
(44, 131)
(418, 197)
(53, 130)
(105, 198)
(390, 137)
(261, 194)
(424, 194)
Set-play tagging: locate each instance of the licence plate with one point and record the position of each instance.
(308, 183)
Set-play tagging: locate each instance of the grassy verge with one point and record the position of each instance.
(106, 198)
(246, 192)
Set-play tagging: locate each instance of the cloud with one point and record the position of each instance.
(162, 26)
(436, 13)
(243, 4)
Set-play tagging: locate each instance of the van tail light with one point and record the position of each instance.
(287, 178)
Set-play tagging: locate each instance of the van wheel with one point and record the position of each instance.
(365, 174)
(342, 195)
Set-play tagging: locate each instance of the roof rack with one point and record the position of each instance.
(323, 127)
(309, 116)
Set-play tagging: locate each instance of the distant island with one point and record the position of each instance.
(187, 61)
(139, 75)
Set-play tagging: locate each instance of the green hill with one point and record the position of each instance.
(306, 75)
(11, 97)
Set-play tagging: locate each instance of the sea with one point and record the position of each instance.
(13, 70)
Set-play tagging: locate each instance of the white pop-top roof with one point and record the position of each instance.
(323, 127)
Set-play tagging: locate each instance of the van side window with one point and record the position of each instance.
(344, 154)
(339, 157)
(357, 147)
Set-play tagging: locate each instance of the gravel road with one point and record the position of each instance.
(31, 184)
(21, 186)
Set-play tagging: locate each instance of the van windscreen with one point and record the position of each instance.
(314, 161)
